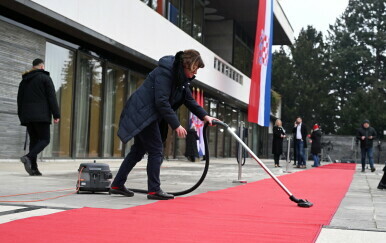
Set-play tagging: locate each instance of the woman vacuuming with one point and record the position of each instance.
(149, 111)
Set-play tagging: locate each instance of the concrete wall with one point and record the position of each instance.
(18, 48)
(344, 149)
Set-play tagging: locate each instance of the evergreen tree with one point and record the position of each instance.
(301, 79)
(358, 55)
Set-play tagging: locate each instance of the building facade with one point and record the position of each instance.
(99, 52)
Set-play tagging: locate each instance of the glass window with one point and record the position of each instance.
(114, 100)
(60, 63)
(249, 125)
(135, 80)
(227, 140)
(243, 56)
(151, 3)
(198, 20)
(235, 126)
(88, 107)
(174, 11)
(220, 131)
(212, 130)
(186, 20)
(154, 4)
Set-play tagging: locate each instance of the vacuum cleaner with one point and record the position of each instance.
(94, 177)
(300, 202)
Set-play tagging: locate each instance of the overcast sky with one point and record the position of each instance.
(318, 13)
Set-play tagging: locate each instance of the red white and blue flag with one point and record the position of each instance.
(197, 123)
(259, 108)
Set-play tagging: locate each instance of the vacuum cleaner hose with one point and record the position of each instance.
(203, 175)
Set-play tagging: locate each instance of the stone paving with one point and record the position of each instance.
(361, 216)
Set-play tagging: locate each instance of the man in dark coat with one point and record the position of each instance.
(300, 134)
(191, 150)
(149, 111)
(366, 135)
(36, 105)
(316, 147)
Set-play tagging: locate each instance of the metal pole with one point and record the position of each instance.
(287, 166)
(240, 156)
(258, 161)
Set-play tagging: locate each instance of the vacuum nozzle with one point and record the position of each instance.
(301, 202)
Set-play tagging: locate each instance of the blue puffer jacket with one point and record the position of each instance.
(157, 99)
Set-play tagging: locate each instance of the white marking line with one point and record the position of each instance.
(9, 208)
(352, 236)
(22, 215)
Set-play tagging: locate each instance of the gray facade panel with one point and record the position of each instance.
(18, 48)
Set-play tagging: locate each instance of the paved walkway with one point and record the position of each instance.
(360, 217)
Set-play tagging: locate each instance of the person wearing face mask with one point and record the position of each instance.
(148, 113)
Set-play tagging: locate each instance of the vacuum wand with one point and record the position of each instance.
(300, 202)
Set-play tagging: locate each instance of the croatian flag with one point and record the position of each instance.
(259, 107)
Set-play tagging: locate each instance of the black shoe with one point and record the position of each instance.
(160, 195)
(27, 164)
(121, 191)
(373, 169)
(363, 170)
(36, 173)
(381, 186)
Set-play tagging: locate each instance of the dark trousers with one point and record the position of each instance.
(369, 153)
(276, 158)
(300, 152)
(39, 134)
(148, 140)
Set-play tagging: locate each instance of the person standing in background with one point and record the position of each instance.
(366, 135)
(316, 147)
(191, 151)
(277, 141)
(36, 106)
(300, 134)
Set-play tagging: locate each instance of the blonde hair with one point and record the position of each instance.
(192, 58)
(278, 121)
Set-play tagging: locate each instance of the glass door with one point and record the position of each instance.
(88, 107)
(114, 101)
(60, 62)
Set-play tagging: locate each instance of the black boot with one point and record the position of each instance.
(381, 186)
(27, 164)
(36, 173)
(121, 191)
(160, 195)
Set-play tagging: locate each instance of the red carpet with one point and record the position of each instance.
(255, 212)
